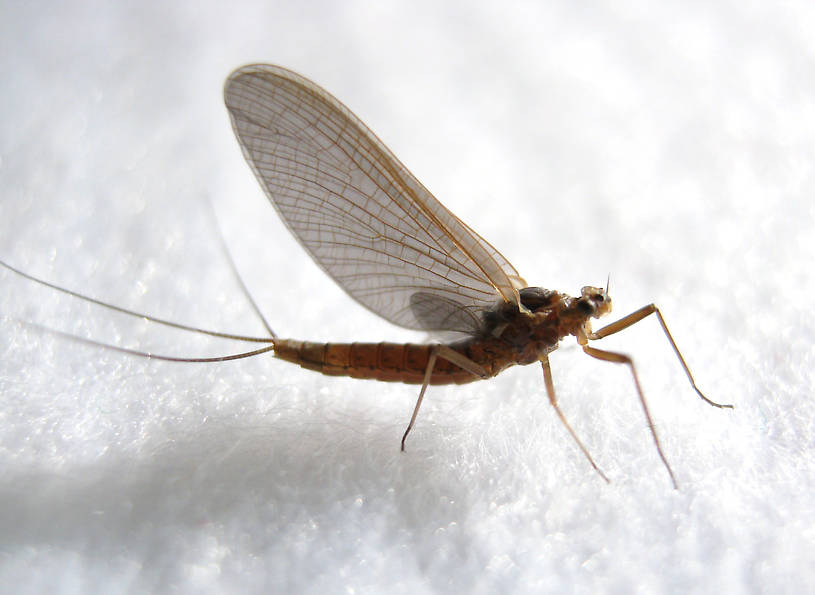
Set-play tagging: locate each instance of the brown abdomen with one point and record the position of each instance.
(390, 362)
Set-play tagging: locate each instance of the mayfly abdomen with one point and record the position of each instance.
(389, 362)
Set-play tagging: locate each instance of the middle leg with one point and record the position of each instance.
(621, 358)
(550, 390)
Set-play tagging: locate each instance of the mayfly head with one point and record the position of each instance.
(594, 301)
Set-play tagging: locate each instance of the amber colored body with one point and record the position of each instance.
(509, 337)
(393, 247)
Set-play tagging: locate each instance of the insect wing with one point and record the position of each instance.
(360, 214)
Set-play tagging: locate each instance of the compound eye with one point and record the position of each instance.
(586, 306)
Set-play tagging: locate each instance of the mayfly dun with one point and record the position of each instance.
(386, 240)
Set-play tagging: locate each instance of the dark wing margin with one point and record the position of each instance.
(360, 214)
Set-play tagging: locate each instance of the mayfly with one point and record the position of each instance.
(394, 248)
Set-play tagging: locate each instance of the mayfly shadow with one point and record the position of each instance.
(394, 248)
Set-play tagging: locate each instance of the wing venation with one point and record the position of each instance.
(360, 214)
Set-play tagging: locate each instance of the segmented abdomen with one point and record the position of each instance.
(393, 362)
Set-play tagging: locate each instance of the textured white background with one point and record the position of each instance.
(671, 147)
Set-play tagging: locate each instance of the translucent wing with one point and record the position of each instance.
(360, 214)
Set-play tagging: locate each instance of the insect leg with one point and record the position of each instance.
(550, 390)
(621, 358)
(450, 355)
(634, 318)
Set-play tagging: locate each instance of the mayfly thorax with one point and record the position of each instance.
(394, 248)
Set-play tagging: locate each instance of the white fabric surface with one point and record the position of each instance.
(670, 147)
